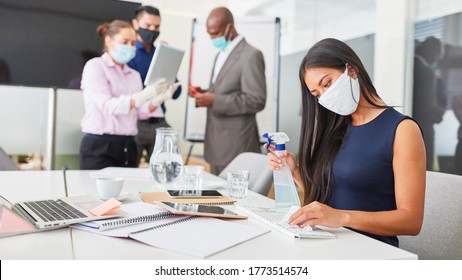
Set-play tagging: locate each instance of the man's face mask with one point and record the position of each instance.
(148, 36)
(221, 42)
(342, 97)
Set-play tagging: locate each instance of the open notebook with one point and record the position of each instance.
(198, 237)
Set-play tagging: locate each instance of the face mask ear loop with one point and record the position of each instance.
(351, 90)
(351, 86)
(226, 31)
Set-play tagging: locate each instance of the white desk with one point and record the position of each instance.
(274, 245)
(28, 185)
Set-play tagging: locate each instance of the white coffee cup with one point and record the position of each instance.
(109, 187)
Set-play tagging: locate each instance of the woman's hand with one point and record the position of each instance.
(275, 161)
(317, 213)
(149, 92)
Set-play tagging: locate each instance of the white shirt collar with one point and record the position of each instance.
(232, 44)
(223, 56)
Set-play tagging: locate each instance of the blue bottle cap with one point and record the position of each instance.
(280, 147)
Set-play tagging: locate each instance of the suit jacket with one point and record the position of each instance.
(240, 92)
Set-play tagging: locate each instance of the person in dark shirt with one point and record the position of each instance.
(147, 25)
(361, 162)
(429, 97)
(457, 108)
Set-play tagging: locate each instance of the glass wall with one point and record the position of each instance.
(437, 84)
(31, 137)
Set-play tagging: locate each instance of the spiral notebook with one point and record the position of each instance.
(198, 237)
(150, 197)
(140, 216)
(139, 213)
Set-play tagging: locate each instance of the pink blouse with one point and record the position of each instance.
(107, 90)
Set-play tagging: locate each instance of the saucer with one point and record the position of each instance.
(124, 196)
(121, 197)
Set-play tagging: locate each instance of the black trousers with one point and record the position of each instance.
(100, 151)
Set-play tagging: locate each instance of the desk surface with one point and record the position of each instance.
(84, 245)
(27, 185)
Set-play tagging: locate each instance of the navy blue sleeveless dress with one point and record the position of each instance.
(363, 169)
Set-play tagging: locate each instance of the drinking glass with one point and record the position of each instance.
(238, 183)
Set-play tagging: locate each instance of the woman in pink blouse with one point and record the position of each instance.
(114, 100)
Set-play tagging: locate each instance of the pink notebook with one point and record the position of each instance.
(13, 224)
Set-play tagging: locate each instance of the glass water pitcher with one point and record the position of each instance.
(166, 162)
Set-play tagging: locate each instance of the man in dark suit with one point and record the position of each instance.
(237, 92)
(428, 98)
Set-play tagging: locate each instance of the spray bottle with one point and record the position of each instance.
(284, 186)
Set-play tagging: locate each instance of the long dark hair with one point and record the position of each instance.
(322, 131)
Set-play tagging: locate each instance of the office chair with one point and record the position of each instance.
(441, 234)
(261, 176)
(5, 162)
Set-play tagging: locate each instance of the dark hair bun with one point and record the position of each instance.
(102, 29)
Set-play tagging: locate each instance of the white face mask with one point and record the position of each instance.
(343, 96)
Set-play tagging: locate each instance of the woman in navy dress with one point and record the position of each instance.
(361, 162)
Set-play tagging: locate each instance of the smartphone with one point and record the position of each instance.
(194, 193)
(199, 210)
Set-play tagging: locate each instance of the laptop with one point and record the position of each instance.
(49, 213)
(164, 64)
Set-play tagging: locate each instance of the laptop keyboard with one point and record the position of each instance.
(273, 217)
(54, 210)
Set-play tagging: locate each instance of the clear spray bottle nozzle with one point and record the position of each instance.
(279, 139)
